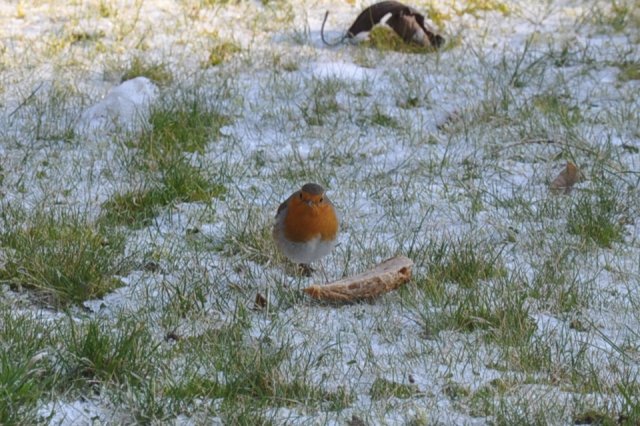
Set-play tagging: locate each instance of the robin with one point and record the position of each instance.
(306, 226)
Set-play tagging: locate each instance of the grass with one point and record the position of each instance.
(251, 374)
(64, 257)
(19, 389)
(249, 238)
(630, 412)
(441, 16)
(594, 417)
(94, 353)
(186, 126)
(26, 373)
(181, 183)
(71, 358)
(156, 72)
(467, 290)
(473, 7)
(222, 52)
(384, 38)
(462, 262)
(558, 109)
(106, 10)
(501, 318)
(213, 3)
(180, 128)
(321, 107)
(379, 118)
(382, 388)
(629, 71)
(41, 104)
(595, 218)
(620, 16)
(556, 286)
(130, 262)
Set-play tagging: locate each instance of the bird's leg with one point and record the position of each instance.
(305, 269)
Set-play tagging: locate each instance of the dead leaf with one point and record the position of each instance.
(172, 335)
(563, 183)
(356, 421)
(260, 302)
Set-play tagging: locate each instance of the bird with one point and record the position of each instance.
(406, 21)
(306, 226)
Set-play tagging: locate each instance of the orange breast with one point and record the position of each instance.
(304, 222)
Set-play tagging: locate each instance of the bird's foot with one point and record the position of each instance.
(305, 269)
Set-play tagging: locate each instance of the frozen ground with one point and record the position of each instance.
(418, 151)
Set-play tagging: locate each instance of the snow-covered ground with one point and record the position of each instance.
(456, 147)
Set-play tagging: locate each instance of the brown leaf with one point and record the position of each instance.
(356, 421)
(172, 335)
(260, 302)
(563, 183)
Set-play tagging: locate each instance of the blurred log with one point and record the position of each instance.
(384, 277)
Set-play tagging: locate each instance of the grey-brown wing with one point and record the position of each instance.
(372, 15)
(284, 204)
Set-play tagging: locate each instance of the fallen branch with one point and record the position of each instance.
(385, 277)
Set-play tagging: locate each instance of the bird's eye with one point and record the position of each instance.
(321, 199)
(301, 195)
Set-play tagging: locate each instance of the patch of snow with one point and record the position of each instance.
(125, 107)
(341, 70)
(74, 413)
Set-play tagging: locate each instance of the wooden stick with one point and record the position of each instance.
(384, 277)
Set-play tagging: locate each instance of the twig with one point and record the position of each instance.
(529, 142)
(326, 14)
(27, 99)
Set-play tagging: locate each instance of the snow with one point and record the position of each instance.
(456, 90)
(341, 70)
(81, 412)
(124, 108)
